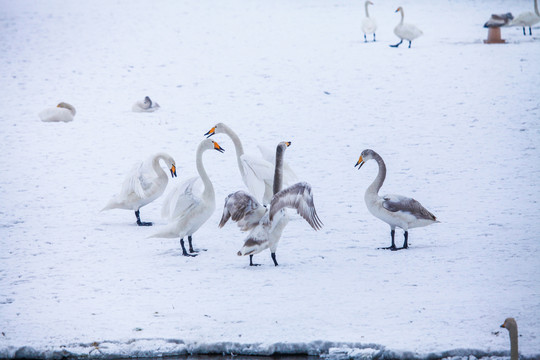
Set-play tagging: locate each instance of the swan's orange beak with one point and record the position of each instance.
(360, 162)
(211, 132)
(173, 170)
(399, 8)
(217, 147)
(288, 143)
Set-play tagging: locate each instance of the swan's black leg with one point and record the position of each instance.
(530, 31)
(393, 246)
(190, 241)
(274, 258)
(524, 33)
(184, 252)
(399, 43)
(139, 222)
(410, 44)
(251, 261)
(374, 37)
(406, 242)
(365, 39)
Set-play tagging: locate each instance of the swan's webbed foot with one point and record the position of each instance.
(396, 45)
(410, 42)
(139, 222)
(191, 250)
(393, 246)
(251, 261)
(274, 258)
(184, 252)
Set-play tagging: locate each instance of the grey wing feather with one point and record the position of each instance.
(396, 203)
(243, 209)
(299, 197)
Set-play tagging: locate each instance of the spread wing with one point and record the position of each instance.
(180, 200)
(243, 209)
(396, 203)
(299, 197)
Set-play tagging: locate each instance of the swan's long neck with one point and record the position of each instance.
(208, 187)
(157, 168)
(278, 171)
(375, 186)
(237, 146)
(367, 11)
(536, 8)
(401, 22)
(514, 353)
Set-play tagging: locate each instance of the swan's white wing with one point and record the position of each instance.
(136, 181)
(257, 173)
(180, 200)
(395, 203)
(299, 197)
(289, 176)
(242, 208)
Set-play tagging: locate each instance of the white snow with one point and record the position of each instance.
(457, 122)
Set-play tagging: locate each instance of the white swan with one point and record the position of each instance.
(395, 210)
(267, 223)
(369, 25)
(146, 105)
(187, 209)
(528, 19)
(62, 112)
(257, 174)
(511, 325)
(142, 185)
(405, 31)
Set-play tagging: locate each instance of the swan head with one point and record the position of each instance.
(217, 129)
(169, 161)
(399, 9)
(369, 2)
(510, 324)
(208, 144)
(65, 105)
(364, 156)
(284, 144)
(147, 104)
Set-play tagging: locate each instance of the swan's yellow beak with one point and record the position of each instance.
(360, 162)
(211, 132)
(399, 8)
(288, 143)
(173, 170)
(217, 147)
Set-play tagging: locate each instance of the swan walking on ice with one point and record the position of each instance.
(528, 19)
(511, 325)
(405, 31)
(62, 112)
(257, 174)
(141, 186)
(396, 210)
(189, 210)
(267, 223)
(146, 105)
(369, 25)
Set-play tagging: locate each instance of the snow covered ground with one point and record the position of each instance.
(457, 122)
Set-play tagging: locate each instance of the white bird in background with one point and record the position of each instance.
(395, 210)
(511, 325)
(145, 106)
(267, 223)
(369, 25)
(189, 210)
(405, 31)
(528, 19)
(142, 185)
(62, 112)
(257, 174)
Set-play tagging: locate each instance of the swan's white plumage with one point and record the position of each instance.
(257, 173)
(180, 200)
(528, 18)
(406, 31)
(369, 25)
(145, 182)
(63, 112)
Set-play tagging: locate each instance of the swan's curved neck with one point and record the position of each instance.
(379, 180)
(208, 187)
(514, 353)
(278, 171)
(536, 8)
(367, 11)
(157, 168)
(402, 15)
(237, 145)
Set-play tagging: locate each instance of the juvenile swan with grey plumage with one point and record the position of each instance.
(511, 325)
(267, 223)
(395, 210)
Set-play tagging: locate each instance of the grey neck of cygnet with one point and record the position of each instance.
(278, 172)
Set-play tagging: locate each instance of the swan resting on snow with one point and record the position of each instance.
(187, 209)
(511, 325)
(145, 106)
(527, 19)
(62, 112)
(267, 222)
(405, 31)
(395, 210)
(257, 173)
(142, 185)
(369, 26)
